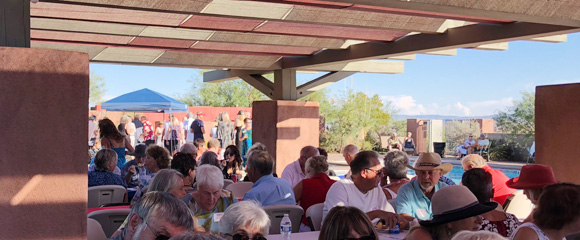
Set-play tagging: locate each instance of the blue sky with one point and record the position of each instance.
(472, 83)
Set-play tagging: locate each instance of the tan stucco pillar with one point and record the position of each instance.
(43, 143)
(285, 127)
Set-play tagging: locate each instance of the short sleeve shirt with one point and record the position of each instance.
(269, 190)
(293, 173)
(197, 125)
(412, 201)
(345, 193)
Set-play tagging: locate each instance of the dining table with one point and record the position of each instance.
(314, 236)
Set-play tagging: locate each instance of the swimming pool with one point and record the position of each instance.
(457, 172)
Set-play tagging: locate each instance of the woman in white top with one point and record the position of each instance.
(173, 135)
(556, 216)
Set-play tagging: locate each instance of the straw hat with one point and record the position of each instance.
(454, 203)
(431, 161)
(533, 176)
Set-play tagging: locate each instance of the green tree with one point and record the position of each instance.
(519, 118)
(235, 93)
(96, 89)
(457, 131)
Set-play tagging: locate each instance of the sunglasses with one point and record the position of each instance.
(243, 236)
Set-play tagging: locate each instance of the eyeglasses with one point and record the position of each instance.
(378, 172)
(157, 236)
(243, 236)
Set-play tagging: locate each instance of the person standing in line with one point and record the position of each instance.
(197, 127)
(246, 138)
(187, 128)
(159, 134)
(93, 129)
(130, 128)
(238, 130)
(111, 138)
(225, 130)
(148, 136)
(138, 129)
(173, 134)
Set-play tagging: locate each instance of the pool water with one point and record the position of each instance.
(457, 172)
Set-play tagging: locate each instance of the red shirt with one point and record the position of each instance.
(498, 179)
(314, 191)
(147, 131)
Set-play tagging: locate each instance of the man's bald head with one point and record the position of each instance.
(349, 152)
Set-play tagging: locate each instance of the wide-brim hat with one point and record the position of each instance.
(453, 203)
(139, 150)
(533, 176)
(431, 161)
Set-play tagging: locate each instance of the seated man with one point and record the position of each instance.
(132, 170)
(482, 143)
(363, 191)
(158, 215)
(500, 190)
(349, 152)
(414, 198)
(294, 172)
(267, 190)
(394, 143)
(466, 147)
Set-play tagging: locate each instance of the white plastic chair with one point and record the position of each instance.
(227, 182)
(239, 189)
(519, 205)
(276, 213)
(94, 230)
(99, 195)
(314, 216)
(110, 219)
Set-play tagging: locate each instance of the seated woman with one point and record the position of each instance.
(245, 220)
(455, 208)
(313, 189)
(479, 183)
(396, 173)
(210, 158)
(409, 147)
(533, 178)
(185, 164)
(479, 235)
(209, 197)
(556, 216)
(189, 148)
(105, 163)
(394, 143)
(233, 163)
(343, 223)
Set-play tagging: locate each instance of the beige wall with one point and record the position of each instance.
(557, 130)
(43, 143)
(285, 127)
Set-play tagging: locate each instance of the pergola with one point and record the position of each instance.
(44, 90)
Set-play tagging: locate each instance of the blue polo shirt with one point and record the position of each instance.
(269, 190)
(412, 201)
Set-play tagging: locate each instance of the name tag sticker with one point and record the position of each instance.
(422, 213)
(217, 216)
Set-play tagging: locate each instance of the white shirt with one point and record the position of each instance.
(186, 128)
(345, 193)
(293, 173)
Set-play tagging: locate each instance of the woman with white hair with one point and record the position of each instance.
(209, 197)
(105, 164)
(245, 220)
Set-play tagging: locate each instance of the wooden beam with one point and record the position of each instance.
(494, 46)
(461, 37)
(552, 39)
(217, 76)
(285, 84)
(369, 66)
(458, 11)
(261, 83)
(15, 23)
(446, 52)
(321, 82)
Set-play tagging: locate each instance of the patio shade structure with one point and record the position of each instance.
(144, 100)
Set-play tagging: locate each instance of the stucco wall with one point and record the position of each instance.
(43, 143)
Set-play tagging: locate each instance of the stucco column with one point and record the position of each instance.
(43, 144)
(285, 127)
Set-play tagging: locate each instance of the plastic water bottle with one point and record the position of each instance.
(286, 227)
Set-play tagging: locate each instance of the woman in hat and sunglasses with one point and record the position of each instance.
(533, 178)
(455, 209)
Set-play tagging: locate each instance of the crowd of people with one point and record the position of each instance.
(181, 195)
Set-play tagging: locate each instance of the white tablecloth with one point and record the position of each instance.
(314, 236)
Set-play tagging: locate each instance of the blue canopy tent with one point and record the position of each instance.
(144, 100)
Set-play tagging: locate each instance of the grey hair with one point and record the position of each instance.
(479, 235)
(474, 160)
(193, 236)
(210, 176)
(261, 161)
(104, 158)
(314, 165)
(188, 148)
(305, 151)
(189, 115)
(244, 214)
(396, 164)
(162, 205)
(165, 180)
(257, 147)
(350, 149)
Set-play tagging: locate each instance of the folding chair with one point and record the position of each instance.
(94, 230)
(110, 219)
(276, 213)
(227, 182)
(314, 216)
(99, 195)
(519, 205)
(239, 189)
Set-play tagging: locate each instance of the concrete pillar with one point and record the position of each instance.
(285, 127)
(43, 145)
(15, 23)
(557, 133)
